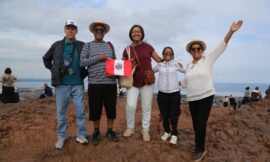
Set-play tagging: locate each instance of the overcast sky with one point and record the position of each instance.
(29, 27)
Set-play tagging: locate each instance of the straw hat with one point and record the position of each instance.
(197, 42)
(93, 24)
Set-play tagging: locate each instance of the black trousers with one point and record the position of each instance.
(8, 94)
(200, 111)
(102, 95)
(245, 100)
(169, 106)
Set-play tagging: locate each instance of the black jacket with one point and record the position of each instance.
(54, 57)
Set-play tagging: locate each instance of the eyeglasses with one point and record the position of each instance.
(136, 32)
(167, 53)
(97, 30)
(196, 49)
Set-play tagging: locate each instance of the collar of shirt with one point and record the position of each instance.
(66, 42)
(168, 63)
(192, 65)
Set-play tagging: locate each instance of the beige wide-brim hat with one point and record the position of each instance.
(92, 26)
(195, 42)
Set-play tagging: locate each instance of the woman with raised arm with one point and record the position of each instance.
(200, 88)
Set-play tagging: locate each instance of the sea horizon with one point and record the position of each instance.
(222, 88)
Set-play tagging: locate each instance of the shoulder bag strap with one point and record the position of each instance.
(128, 52)
(110, 44)
(136, 56)
(88, 47)
(72, 54)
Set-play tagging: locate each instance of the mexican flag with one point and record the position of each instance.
(118, 67)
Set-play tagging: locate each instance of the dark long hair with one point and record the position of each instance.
(134, 26)
(8, 71)
(170, 49)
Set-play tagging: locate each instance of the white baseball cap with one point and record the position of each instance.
(71, 23)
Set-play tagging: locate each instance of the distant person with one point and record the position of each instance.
(246, 98)
(102, 90)
(226, 101)
(233, 103)
(267, 93)
(120, 91)
(47, 92)
(256, 95)
(169, 98)
(200, 88)
(8, 91)
(62, 59)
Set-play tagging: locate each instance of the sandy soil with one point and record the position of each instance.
(28, 133)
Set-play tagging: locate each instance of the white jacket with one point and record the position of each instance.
(167, 79)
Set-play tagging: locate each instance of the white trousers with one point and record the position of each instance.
(146, 94)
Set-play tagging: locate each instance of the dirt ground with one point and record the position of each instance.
(28, 133)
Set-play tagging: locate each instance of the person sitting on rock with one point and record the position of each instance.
(226, 101)
(233, 103)
(47, 92)
(255, 95)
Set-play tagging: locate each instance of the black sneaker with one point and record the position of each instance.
(112, 136)
(96, 138)
(197, 156)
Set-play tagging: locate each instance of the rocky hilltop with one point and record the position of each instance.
(28, 133)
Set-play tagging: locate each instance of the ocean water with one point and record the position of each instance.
(234, 89)
(222, 89)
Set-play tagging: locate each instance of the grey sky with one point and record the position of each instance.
(28, 28)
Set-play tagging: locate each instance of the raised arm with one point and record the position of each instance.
(234, 27)
(212, 57)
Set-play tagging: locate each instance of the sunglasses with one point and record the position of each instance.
(196, 49)
(167, 53)
(97, 30)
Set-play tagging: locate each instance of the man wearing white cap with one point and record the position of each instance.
(62, 59)
(102, 90)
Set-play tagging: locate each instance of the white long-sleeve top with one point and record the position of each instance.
(8, 80)
(167, 80)
(198, 79)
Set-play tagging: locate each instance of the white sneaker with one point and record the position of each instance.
(128, 132)
(173, 140)
(59, 144)
(165, 136)
(82, 139)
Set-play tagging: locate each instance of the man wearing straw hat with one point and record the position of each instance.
(102, 90)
